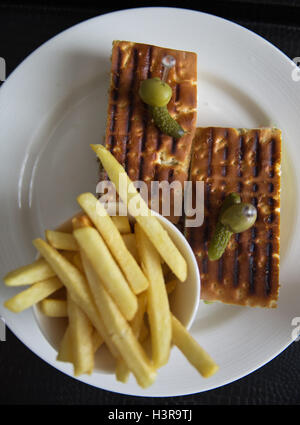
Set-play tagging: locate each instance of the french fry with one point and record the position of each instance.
(65, 352)
(31, 273)
(136, 322)
(195, 354)
(81, 336)
(81, 221)
(54, 308)
(97, 340)
(78, 223)
(164, 245)
(157, 298)
(122, 223)
(61, 240)
(149, 223)
(130, 242)
(93, 246)
(67, 226)
(76, 284)
(33, 294)
(114, 241)
(122, 371)
(119, 329)
(122, 182)
(76, 260)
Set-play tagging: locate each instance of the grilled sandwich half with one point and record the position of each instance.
(132, 137)
(248, 162)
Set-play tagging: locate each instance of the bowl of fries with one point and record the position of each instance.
(51, 313)
(114, 295)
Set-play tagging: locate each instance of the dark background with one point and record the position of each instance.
(25, 378)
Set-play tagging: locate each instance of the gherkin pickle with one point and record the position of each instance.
(219, 241)
(165, 122)
(231, 199)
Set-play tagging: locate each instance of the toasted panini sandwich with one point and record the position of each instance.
(247, 162)
(131, 135)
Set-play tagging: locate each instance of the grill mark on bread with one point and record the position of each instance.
(270, 187)
(272, 152)
(210, 152)
(268, 270)
(236, 266)
(206, 233)
(115, 94)
(240, 155)
(252, 269)
(112, 117)
(171, 175)
(256, 155)
(149, 59)
(225, 157)
(270, 218)
(116, 76)
(145, 120)
(131, 90)
(159, 142)
(126, 155)
(252, 260)
(220, 270)
(109, 142)
(173, 146)
(177, 92)
(254, 202)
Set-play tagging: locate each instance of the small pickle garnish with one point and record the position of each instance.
(231, 199)
(219, 242)
(157, 94)
(234, 217)
(221, 234)
(165, 122)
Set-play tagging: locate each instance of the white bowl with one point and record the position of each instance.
(184, 302)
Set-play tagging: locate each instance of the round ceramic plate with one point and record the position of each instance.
(54, 105)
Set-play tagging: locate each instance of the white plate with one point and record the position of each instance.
(54, 105)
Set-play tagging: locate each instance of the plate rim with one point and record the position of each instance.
(132, 11)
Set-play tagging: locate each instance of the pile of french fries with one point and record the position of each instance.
(111, 279)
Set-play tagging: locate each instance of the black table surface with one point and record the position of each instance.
(25, 378)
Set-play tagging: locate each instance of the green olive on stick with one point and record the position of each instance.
(157, 94)
(239, 217)
(235, 217)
